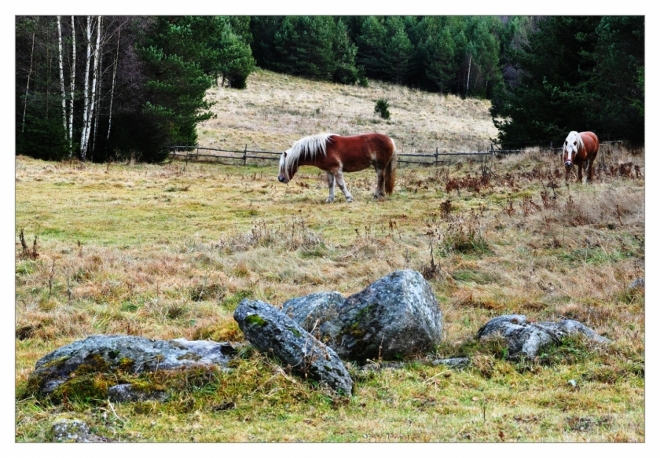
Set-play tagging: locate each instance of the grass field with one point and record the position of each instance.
(167, 251)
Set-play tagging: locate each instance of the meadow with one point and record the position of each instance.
(169, 250)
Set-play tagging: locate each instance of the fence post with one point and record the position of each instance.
(245, 156)
(436, 156)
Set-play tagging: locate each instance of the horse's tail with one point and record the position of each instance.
(390, 172)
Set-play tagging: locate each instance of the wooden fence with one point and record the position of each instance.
(199, 153)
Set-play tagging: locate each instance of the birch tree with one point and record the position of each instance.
(73, 83)
(467, 84)
(112, 86)
(59, 37)
(89, 92)
(84, 137)
(27, 87)
(96, 84)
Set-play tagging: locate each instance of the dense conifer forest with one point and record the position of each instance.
(110, 87)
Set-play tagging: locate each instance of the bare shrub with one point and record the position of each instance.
(293, 236)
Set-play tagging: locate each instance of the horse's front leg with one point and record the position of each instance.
(331, 188)
(580, 166)
(339, 177)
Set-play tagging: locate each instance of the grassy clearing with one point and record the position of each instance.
(168, 251)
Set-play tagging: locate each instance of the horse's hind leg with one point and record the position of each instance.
(380, 186)
(342, 185)
(331, 188)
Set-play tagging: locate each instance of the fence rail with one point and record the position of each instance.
(196, 153)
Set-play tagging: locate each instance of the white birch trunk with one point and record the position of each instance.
(73, 84)
(97, 110)
(96, 93)
(27, 87)
(112, 87)
(84, 136)
(467, 86)
(59, 37)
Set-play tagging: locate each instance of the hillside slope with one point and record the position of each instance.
(275, 110)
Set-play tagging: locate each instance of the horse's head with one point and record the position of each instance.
(572, 145)
(286, 170)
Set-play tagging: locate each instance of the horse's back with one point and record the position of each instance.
(373, 140)
(357, 152)
(590, 141)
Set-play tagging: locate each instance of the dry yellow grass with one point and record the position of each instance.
(167, 251)
(269, 116)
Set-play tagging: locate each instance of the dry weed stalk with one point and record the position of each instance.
(27, 253)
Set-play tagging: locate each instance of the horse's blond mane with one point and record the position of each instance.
(580, 143)
(308, 146)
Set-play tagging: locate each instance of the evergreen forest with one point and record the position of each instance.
(102, 88)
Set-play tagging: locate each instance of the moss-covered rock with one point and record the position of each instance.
(274, 333)
(85, 370)
(526, 339)
(395, 317)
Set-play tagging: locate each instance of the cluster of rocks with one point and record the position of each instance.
(395, 318)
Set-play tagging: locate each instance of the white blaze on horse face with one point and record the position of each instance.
(568, 152)
(282, 177)
(570, 147)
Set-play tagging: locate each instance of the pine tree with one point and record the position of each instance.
(438, 51)
(234, 55)
(618, 77)
(399, 54)
(176, 83)
(549, 99)
(344, 51)
(371, 44)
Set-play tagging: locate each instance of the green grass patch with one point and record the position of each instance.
(474, 276)
(593, 256)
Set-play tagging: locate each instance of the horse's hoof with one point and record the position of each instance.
(329, 200)
(349, 200)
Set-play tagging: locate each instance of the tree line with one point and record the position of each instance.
(573, 73)
(111, 87)
(450, 54)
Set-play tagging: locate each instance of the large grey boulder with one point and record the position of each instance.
(274, 333)
(131, 354)
(527, 338)
(395, 317)
(314, 309)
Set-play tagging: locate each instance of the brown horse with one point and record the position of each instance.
(336, 154)
(580, 149)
